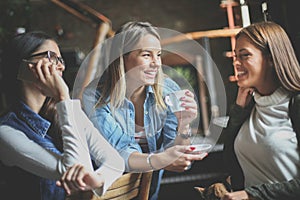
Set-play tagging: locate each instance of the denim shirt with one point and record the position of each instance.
(35, 128)
(118, 126)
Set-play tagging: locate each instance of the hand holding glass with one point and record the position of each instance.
(173, 100)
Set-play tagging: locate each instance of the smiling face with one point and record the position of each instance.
(142, 64)
(253, 68)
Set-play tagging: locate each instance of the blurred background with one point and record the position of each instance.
(212, 23)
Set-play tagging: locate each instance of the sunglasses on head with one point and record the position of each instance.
(52, 57)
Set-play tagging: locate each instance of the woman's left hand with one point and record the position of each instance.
(78, 178)
(49, 80)
(186, 116)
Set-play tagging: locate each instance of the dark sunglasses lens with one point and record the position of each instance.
(61, 60)
(52, 57)
(55, 59)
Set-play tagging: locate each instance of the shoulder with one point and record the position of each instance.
(91, 91)
(296, 98)
(5, 128)
(294, 111)
(90, 97)
(294, 102)
(7, 117)
(294, 106)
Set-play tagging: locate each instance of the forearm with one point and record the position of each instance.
(179, 157)
(237, 116)
(274, 191)
(183, 135)
(101, 151)
(142, 162)
(174, 132)
(110, 163)
(16, 149)
(74, 141)
(138, 162)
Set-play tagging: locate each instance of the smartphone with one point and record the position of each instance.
(24, 73)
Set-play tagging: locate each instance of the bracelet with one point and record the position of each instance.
(149, 161)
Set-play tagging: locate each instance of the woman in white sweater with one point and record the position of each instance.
(47, 143)
(261, 148)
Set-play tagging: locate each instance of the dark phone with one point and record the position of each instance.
(24, 73)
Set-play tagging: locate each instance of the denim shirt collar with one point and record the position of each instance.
(149, 89)
(35, 121)
(149, 93)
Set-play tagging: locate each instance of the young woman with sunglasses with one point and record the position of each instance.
(46, 141)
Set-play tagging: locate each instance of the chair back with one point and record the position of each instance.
(129, 186)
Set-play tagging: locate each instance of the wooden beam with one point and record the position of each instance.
(202, 95)
(200, 34)
(85, 13)
(74, 12)
(94, 57)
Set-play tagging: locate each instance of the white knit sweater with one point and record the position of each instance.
(266, 145)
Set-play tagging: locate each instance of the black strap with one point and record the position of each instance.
(294, 113)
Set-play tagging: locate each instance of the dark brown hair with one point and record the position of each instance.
(20, 47)
(272, 40)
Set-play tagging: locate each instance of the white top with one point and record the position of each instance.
(81, 140)
(266, 145)
(141, 139)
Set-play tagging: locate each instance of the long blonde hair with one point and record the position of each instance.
(112, 83)
(272, 40)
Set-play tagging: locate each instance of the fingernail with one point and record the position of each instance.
(203, 155)
(192, 148)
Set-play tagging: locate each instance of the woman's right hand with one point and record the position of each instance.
(244, 96)
(49, 80)
(186, 116)
(238, 195)
(177, 158)
(78, 178)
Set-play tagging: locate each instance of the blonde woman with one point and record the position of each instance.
(130, 111)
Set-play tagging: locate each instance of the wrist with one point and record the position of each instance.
(98, 191)
(63, 97)
(98, 187)
(185, 133)
(150, 161)
(183, 129)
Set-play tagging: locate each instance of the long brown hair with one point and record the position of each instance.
(272, 40)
